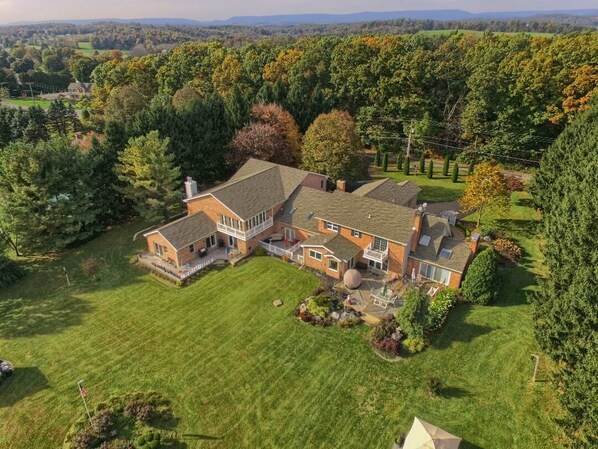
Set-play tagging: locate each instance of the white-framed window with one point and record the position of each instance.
(435, 273)
(380, 244)
(333, 265)
(331, 226)
(230, 222)
(192, 248)
(257, 220)
(322, 184)
(380, 266)
(351, 262)
(211, 241)
(160, 250)
(355, 233)
(315, 255)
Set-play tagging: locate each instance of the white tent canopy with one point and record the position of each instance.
(427, 436)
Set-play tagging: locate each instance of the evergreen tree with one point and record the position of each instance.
(37, 128)
(385, 162)
(445, 166)
(565, 312)
(422, 163)
(455, 174)
(413, 316)
(431, 169)
(10, 271)
(151, 179)
(481, 281)
(377, 158)
(406, 166)
(61, 119)
(400, 161)
(46, 201)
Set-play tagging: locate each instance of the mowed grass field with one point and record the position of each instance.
(27, 102)
(438, 189)
(244, 374)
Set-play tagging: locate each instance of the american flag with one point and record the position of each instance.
(83, 391)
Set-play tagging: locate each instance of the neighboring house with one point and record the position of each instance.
(331, 232)
(79, 88)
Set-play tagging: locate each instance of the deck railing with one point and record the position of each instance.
(245, 235)
(374, 254)
(290, 253)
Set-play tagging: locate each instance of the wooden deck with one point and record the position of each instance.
(363, 302)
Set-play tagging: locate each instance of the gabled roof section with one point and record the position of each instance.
(184, 231)
(339, 246)
(389, 191)
(441, 239)
(367, 215)
(257, 186)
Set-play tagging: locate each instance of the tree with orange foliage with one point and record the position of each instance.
(273, 135)
(486, 188)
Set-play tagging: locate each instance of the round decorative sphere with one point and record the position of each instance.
(352, 279)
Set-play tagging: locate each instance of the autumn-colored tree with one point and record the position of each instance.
(331, 146)
(124, 103)
(227, 75)
(486, 188)
(273, 135)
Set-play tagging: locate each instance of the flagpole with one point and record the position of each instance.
(80, 385)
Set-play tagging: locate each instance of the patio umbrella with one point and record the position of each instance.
(385, 291)
(413, 275)
(427, 436)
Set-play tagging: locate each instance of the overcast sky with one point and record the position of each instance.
(20, 10)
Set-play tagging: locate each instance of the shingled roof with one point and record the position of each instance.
(389, 191)
(336, 244)
(440, 238)
(367, 215)
(257, 186)
(187, 230)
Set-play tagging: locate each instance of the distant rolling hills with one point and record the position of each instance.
(366, 16)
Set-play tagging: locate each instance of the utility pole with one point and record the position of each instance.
(83, 393)
(31, 89)
(411, 130)
(537, 357)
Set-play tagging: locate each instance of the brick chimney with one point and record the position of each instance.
(417, 228)
(473, 243)
(341, 185)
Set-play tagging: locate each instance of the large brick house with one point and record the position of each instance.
(376, 226)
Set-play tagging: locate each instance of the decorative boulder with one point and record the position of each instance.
(277, 303)
(335, 315)
(352, 279)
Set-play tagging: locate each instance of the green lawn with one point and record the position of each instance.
(27, 102)
(86, 49)
(439, 188)
(248, 374)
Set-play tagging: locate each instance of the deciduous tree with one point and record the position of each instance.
(486, 188)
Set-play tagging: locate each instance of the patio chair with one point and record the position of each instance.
(432, 292)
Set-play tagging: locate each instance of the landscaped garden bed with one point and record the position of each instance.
(325, 308)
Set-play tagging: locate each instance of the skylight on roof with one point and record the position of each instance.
(310, 215)
(424, 240)
(445, 253)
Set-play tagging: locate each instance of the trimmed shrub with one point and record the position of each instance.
(153, 445)
(434, 385)
(422, 163)
(140, 440)
(507, 249)
(140, 409)
(440, 308)
(385, 328)
(515, 183)
(400, 161)
(445, 166)
(385, 162)
(431, 169)
(389, 345)
(10, 271)
(455, 174)
(102, 423)
(413, 316)
(481, 281)
(406, 166)
(377, 158)
(319, 306)
(259, 251)
(414, 345)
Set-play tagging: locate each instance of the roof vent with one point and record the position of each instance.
(293, 210)
(369, 215)
(310, 215)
